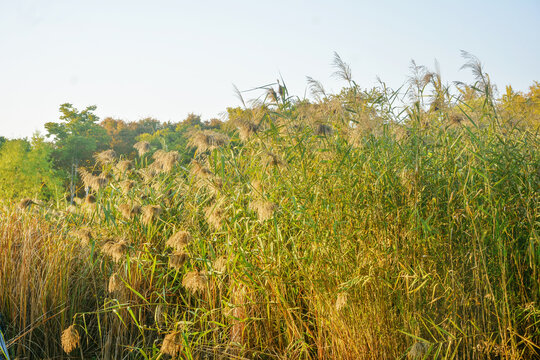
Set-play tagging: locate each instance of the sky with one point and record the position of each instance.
(166, 59)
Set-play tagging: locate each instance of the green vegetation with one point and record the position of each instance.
(350, 227)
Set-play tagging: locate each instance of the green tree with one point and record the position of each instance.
(26, 170)
(77, 136)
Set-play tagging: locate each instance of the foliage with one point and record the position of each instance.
(26, 170)
(77, 136)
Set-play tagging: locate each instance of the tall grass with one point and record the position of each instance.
(346, 229)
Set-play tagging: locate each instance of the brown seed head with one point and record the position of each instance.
(172, 344)
(207, 140)
(70, 339)
(26, 203)
(105, 157)
(271, 159)
(200, 170)
(264, 209)
(179, 240)
(215, 216)
(341, 300)
(418, 351)
(220, 264)
(123, 166)
(116, 285)
(195, 281)
(246, 129)
(165, 161)
(150, 213)
(178, 259)
(323, 129)
(84, 234)
(142, 147)
(126, 186)
(90, 199)
(128, 211)
(115, 249)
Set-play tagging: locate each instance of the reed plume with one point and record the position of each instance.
(172, 344)
(179, 240)
(195, 281)
(70, 339)
(142, 147)
(178, 259)
(117, 250)
(207, 140)
(105, 157)
(150, 213)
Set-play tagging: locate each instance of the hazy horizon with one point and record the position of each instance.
(135, 59)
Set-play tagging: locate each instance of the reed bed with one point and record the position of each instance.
(344, 229)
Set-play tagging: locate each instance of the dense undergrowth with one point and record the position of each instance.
(343, 229)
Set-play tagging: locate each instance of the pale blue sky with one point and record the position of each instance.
(167, 58)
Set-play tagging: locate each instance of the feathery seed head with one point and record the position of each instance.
(323, 129)
(418, 351)
(70, 339)
(200, 170)
(84, 234)
(142, 147)
(220, 264)
(172, 344)
(178, 259)
(26, 203)
(126, 186)
(215, 216)
(271, 159)
(123, 166)
(179, 240)
(90, 199)
(264, 209)
(115, 249)
(150, 213)
(207, 140)
(129, 212)
(105, 157)
(195, 281)
(341, 300)
(116, 285)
